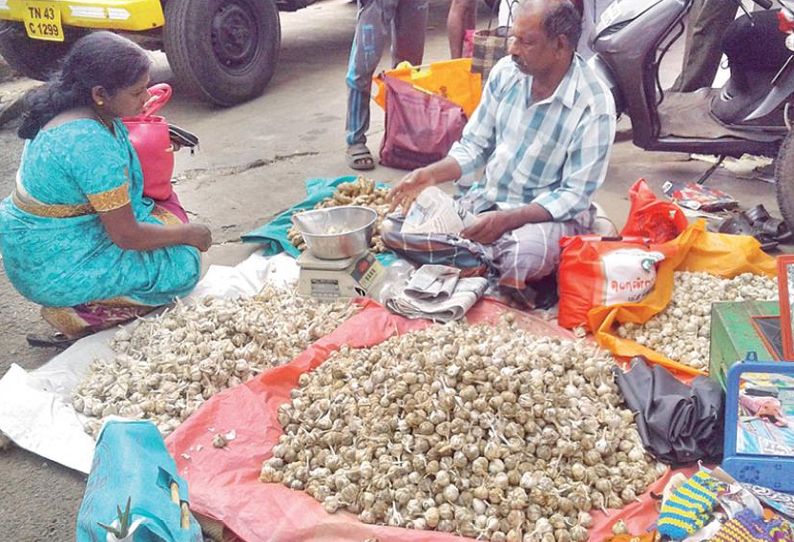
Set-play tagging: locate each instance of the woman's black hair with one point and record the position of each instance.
(100, 59)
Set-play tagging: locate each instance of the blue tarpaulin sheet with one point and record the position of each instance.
(273, 236)
(132, 462)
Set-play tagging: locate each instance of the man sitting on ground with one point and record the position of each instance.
(544, 131)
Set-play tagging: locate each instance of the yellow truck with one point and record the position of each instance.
(222, 50)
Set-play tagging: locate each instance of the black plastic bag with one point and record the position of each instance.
(679, 424)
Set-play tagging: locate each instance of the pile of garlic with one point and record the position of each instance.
(682, 330)
(170, 364)
(483, 431)
(363, 192)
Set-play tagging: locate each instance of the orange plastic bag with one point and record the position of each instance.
(698, 250)
(451, 79)
(653, 218)
(599, 271)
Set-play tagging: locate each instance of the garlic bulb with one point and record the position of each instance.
(170, 364)
(464, 429)
(682, 330)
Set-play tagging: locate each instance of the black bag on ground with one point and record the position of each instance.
(679, 424)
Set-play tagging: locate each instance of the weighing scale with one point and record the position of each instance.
(330, 280)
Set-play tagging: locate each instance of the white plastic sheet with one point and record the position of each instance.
(35, 408)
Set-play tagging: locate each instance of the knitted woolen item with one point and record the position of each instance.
(747, 527)
(689, 507)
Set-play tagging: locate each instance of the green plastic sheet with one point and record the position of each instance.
(273, 236)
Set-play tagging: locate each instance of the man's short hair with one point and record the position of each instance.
(560, 17)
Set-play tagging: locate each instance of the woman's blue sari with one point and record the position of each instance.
(56, 251)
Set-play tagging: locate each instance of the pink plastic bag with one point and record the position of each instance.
(420, 127)
(152, 143)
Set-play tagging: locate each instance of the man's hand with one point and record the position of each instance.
(405, 192)
(489, 227)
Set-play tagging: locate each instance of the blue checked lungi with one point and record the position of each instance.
(517, 258)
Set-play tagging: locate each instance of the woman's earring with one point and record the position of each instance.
(100, 103)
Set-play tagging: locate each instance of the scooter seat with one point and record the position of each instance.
(733, 104)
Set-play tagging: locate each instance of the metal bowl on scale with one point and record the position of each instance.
(336, 233)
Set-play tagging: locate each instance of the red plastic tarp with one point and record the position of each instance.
(224, 483)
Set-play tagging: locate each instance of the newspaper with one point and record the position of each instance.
(433, 282)
(435, 292)
(435, 211)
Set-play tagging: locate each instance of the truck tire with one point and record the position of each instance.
(784, 180)
(222, 50)
(36, 59)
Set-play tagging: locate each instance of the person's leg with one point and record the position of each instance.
(408, 31)
(708, 21)
(471, 258)
(461, 18)
(81, 320)
(373, 25)
(530, 254)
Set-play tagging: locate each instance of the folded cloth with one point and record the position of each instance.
(415, 300)
(782, 502)
(690, 506)
(433, 282)
(748, 527)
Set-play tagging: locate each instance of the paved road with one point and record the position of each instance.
(253, 161)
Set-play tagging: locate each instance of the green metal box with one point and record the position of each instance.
(733, 335)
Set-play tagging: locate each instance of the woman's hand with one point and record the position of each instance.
(128, 234)
(199, 236)
(405, 192)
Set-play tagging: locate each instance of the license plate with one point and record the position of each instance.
(43, 21)
(611, 14)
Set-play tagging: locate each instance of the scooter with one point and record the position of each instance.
(630, 41)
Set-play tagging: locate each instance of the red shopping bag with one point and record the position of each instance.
(152, 142)
(420, 127)
(651, 217)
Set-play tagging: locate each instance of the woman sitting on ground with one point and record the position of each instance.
(77, 235)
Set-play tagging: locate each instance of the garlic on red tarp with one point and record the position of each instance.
(467, 429)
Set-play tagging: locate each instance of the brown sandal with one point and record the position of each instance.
(359, 158)
(54, 340)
